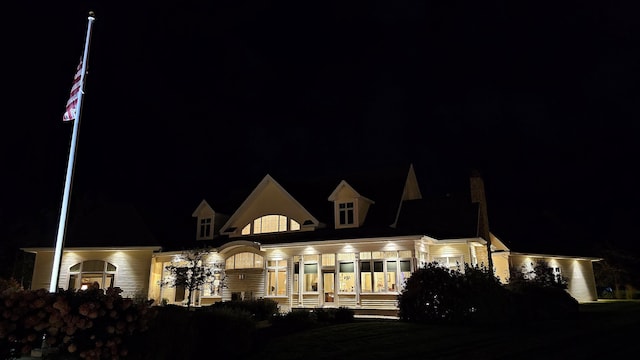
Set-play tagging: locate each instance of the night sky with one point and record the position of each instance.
(183, 97)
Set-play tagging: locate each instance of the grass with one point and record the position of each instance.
(602, 329)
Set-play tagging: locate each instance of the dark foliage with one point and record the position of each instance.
(333, 315)
(259, 309)
(181, 333)
(295, 320)
(434, 294)
(617, 274)
(437, 294)
(533, 301)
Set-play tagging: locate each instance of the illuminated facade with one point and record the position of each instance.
(348, 244)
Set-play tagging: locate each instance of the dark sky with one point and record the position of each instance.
(182, 97)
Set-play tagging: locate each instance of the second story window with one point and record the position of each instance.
(270, 224)
(345, 213)
(205, 228)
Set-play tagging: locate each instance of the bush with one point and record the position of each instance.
(435, 294)
(260, 309)
(294, 320)
(332, 315)
(344, 315)
(534, 301)
(91, 323)
(432, 294)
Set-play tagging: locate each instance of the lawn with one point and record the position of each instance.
(603, 329)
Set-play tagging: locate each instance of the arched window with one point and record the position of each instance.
(84, 274)
(270, 224)
(244, 260)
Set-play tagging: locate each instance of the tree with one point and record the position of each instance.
(541, 274)
(191, 271)
(617, 270)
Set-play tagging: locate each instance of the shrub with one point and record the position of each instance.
(431, 294)
(260, 309)
(534, 301)
(90, 323)
(295, 320)
(332, 315)
(436, 294)
(343, 315)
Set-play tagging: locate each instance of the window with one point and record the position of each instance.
(405, 272)
(296, 274)
(372, 276)
(245, 260)
(328, 260)
(346, 272)
(345, 213)
(346, 277)
(384, 271)
(277, 277)
(423, 259)
(450, 262)
(557, 274)
(270, 224)
(84, 274)
(310, 277)
(294, 225)
(205, 228)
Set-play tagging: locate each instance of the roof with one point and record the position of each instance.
(438, 214)
(447, 216)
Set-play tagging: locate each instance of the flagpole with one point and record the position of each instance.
(64, 209)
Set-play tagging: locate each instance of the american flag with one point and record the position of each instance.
(70, 111)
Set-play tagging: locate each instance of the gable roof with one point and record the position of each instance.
(255, 197)
(203, 204)
(344, 184)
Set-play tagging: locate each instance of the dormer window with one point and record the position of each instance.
(205, 228)
(270, 224)
(345, 214)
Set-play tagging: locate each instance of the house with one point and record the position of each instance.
(348, 242)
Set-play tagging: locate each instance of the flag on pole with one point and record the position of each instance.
(72, 103)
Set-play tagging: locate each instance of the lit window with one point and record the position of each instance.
(294, 225)
(296, 274)
(345, 213)
(346, 277)
(245, 260)
(384, 271)
(372, 276)
(557, 274)
(328, 260)
(450, 262)
(346, 256)
(405, 272)
(270, 224)
(84, 274)
(277, 277)
(310, 277)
